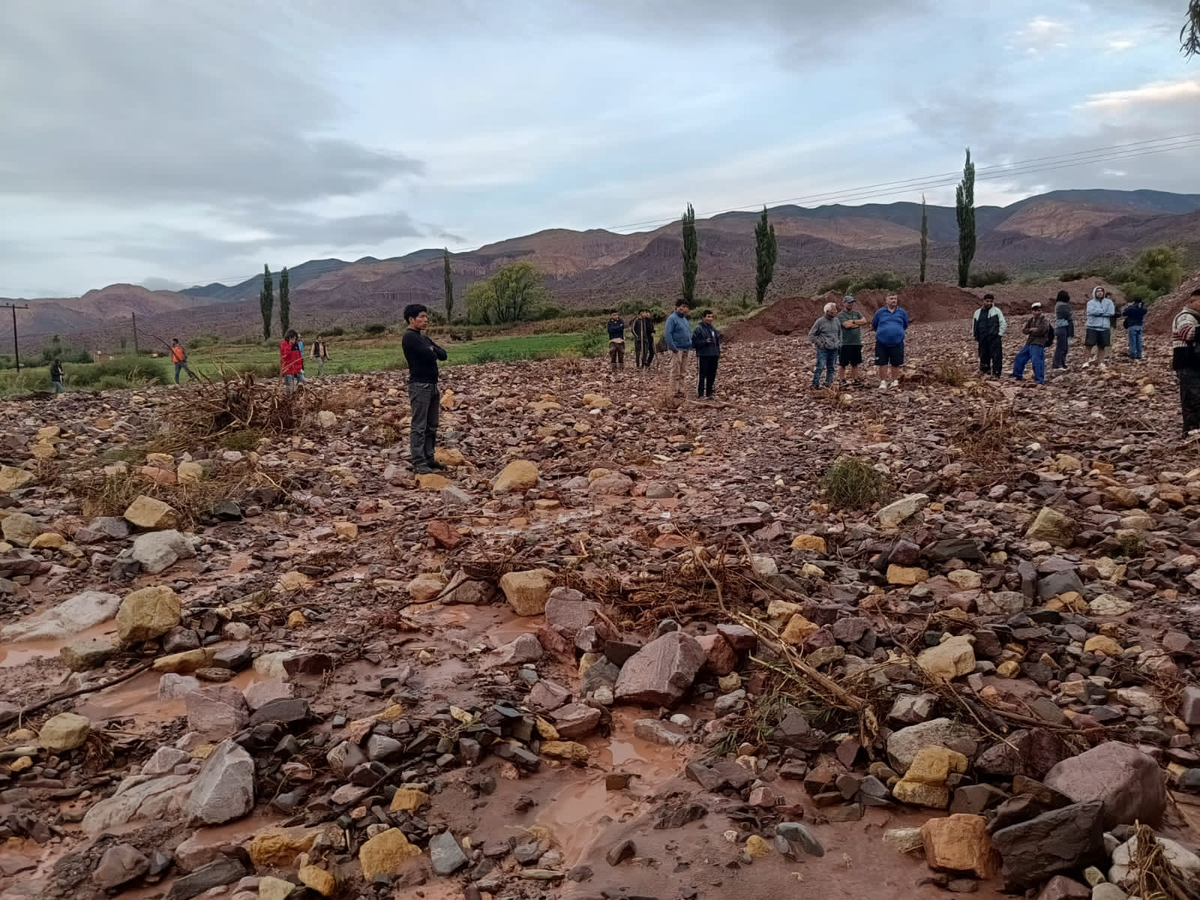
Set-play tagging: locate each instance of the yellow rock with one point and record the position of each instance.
(319, 880)
(916, 794)
(385, 853)
(272, 888)
(425, 587)
(162, 460)
(280, 846)
(449, 456)
(189, 473)
(528, 591)
(448, 399)
(148, 513)
(47, 540)
(808, 570)
(1067, 463)
(409, 800)
(296, 619)
(63, 732)
(1103, 645)
(148, 614)
(293, 581)
(546, 730)
(186, 662)
(757, 847)
(960, 843)
(798, 628)
(519, 475)
(13, 479)
(21, 764)
(48, 432)
(346, 530)
(782, 609)
(934, 764)
(965, 579)
(597, 474)
(43, 450)
(906, 575)
(809, 542)
(569, 750)
(596, 401)
(1010, 668)
(433, 482)
(953, 657)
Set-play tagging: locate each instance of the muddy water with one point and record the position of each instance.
(18, 654)
(135, 698)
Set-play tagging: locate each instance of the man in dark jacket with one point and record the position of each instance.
(616, 341)
(1185, 360)
(422, 355)
(990, 326)
(1038, 333)
(643, 339)
(1064, 329)
(706, 341)
(1134, 317)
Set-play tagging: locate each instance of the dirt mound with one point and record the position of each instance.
(924, 303)
(1015, 299)
(1164, 310)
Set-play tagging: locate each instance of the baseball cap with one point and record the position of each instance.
(849, 298)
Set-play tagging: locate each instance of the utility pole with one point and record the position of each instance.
(135, 346)
(16, 346)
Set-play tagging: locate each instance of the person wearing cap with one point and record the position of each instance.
(1185, 360)
(989, 327)
(1038, 333)
(1064, 329)
(850, 353)
(1100, 315)
(826, 336)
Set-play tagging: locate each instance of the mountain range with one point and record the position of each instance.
(1043, 234)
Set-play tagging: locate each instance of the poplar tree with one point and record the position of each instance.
(964, 207)
(765, 254)
(266, 301)
(285, 302)
(690, 252)
(924, 238)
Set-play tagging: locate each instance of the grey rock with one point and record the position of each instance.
(1127, 781)
(1064, 840)
(176, 687)
(215, 874)
(383, 748)
(661, 672)
(445, 853)
(525, 649)
(179, 639)
(224, 788)
(656, 731)
(1060, 583)
(157, 551)
(796, 833)
(164, 761)
(903, 745)
(217, 712)
(120, 864)
(139, 799)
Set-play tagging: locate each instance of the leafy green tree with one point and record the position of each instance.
(285, 302)
(691, 249)
(266, 301)
(449, 282)
(1156, 271)
(514, 294)
(924, 239)
(1189, 35)
(964, 207)
(765, 255)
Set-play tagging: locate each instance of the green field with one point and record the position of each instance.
(345, 355)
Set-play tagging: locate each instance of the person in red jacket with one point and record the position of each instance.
(291, 360)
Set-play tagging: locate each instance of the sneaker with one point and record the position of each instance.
(895, 383)
(883, 385)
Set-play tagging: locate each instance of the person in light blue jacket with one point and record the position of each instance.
(678, 335)
(1100, 315)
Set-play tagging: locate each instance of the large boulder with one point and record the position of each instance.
(148, 614)
(79, 613)
(63, 732)
(568, 612)
(20, 529)
(150, 514)
(1064, 840)
(527, 592)
(1128, 782)
(139, 799)
(159, 550)
(120, 864)
(903, 745)
(224, 788)
(518, 476)
(661, 672)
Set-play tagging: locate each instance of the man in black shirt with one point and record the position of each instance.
(422, 355)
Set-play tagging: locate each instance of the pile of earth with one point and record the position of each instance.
(1164, 310)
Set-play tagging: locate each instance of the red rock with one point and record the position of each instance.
(568, 612)
(553, 642)
(740, 638)
(1129, 783)
(660, 673)
(1062, 888)
(575, 721)
(719, 657)
(443, 534)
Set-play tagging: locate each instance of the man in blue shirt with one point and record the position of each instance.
(678, 335)
(890, 325)
(1135, 316)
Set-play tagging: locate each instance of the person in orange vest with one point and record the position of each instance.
(179, 357)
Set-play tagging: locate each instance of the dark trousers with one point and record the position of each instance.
(616, 355)
(643, 352)
(1189, 398)
(991, 355)
(426, 402)
(1060, 347)
(708, 375)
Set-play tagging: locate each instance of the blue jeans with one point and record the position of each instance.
(290, 381)
(827, 360)
(58, 388)
(1135, 341)
(1031, 353)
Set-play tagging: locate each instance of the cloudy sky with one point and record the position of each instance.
(173, 142)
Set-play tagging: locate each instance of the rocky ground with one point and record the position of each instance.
(942, 638)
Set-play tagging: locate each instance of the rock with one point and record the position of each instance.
(13, 479)
(527, 592)
(66, 731)
(796, 833)
(1063, 840)
(661, 672)
(1102, 645)
(614, 484)
(1056, 584)
(959, 843)
(225, 870)
(322, 881)
(924, 784)
(139, 799)
(120, 864)
(548, 695)
(1108, 891)
(217, 712)
(906, 575)
(179, 639)
(409, 800)
(147, 614)
(150, 514)
(1109, 605)
(1062, 888)
(79, 613)
(1189, 705)
(912, 709)
(164, 761)
(1001, 603)
(86, 655)
(426, 587)
(224, 788)
(279, 847)
(287, 711)
(950, 659)
(892, 515)
(385, 853)
(1052, 526)
(1124, 874)
(656, 731)
(797, 630)
(20, 529)
(719, 657)
(1128, 782)
(518, 476)
(445, 853)
(189, 473)
(571, 751)
(812, 542)
(383, 748)
(177, 687)
(185, 663)
(159, 550)
(568, 612)
(576, 720)
(903, 745)
(904, 840)
(48, 540)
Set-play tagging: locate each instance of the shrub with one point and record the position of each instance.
(950, 373)
(986, 277)
(244, 440)
(879, 281)
(127, 370)
(485, 355)
(593, 343)
(1077, 275)
(203, 340)
(335, 331)
(841, 285)
(852, 483)
(265, 371)
(375, 328)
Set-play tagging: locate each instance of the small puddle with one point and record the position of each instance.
(21, 652)
(137, 697)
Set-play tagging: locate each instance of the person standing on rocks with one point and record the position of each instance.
(1038, 333)
(707, 342)
(1064, 329)
(616, 342)
(1185, 360)
(890, 325)
(989, 327)
(850, 353)
(678, 335)
(643, 339)
(320, 352)
(291, 360)
(1100, 315)
(826, 336)
(1133, 318)
(180, 358)
(422, 355)
(56, 376)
